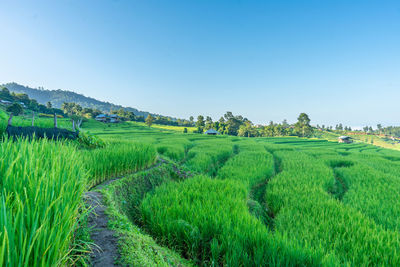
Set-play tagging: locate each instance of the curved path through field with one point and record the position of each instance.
(105, 250)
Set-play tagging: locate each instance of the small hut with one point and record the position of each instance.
(5, 102)
(345, 139)
(211, 132)
(101, 117)
(114, 118)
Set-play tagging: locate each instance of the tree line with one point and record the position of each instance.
(379, 129)
(228, 124)
(238, 125)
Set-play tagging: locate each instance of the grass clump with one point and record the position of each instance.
(117, 159)
(42, 185)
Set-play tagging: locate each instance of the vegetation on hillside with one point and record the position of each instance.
(78, 104)
(58, 97)
(22, 99)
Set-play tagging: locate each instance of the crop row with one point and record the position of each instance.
(311, 217)
(208, 220)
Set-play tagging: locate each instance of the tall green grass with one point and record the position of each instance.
(42, 183)
(174, 148)
(3, 122)
(117, 159)
(248, 168)
(207, 156)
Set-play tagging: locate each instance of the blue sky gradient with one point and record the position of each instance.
(338, 61)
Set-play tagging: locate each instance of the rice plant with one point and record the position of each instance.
(42, 185)
(117, 159)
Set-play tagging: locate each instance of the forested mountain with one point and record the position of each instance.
(58, 97)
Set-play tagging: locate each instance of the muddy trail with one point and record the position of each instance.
(104, 252)
(105, 248)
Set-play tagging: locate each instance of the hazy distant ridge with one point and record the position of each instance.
(57, 97)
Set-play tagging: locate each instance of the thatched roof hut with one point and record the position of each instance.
(345, 139)
(211, 132)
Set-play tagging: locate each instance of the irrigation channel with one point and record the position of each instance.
(257, 203)
(340, 187)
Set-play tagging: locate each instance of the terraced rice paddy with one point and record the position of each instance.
(227, 201)
(276, 201)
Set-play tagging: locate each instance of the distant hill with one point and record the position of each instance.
(57, 97)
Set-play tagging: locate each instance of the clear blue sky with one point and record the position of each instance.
(338, 61)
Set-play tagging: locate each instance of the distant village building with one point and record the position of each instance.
(113, 118)
(345, 139)
(211, 132)
(5, 102)
(101, 117)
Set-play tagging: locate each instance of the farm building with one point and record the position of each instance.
(5, 102)
(113, 118)
(345, 139)
(211, 132)
(101, 117)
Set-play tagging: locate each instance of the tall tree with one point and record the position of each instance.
(233, 123)
(149, 120)
(247, 130)
(49, 105)
(302, 126)
(5, 94)
(285, 124)
(200, 121)
(379, 126)
(209, 123)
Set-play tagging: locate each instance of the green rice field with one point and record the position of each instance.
(210, 201)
